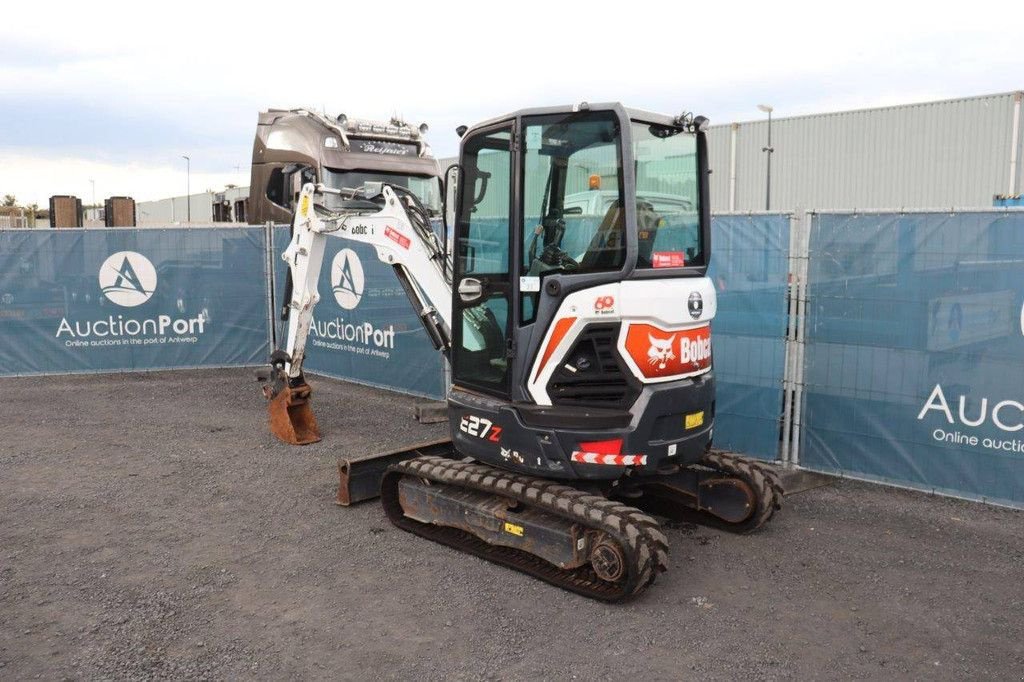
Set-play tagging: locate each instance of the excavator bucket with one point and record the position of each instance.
(291, 417)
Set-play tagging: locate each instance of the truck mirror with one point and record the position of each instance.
(451, 193)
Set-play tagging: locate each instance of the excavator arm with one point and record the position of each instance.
(391, 220)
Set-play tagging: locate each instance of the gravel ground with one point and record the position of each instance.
(150, 527)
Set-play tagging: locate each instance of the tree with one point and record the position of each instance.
(10, 200)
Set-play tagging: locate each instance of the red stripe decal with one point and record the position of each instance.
(561, 329)
(613, 460)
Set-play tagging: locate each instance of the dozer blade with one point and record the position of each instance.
(359, 477)
(291, 418)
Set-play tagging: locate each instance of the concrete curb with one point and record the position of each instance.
(431, 413)
(796, 480)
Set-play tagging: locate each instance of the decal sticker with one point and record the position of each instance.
(604, 305)
(384, 148)
(514, 529)
(668, 259)
(528, 284)
(508, 454)
(614, 460)
(658, 354)
(480, 427)
(695, 304)
(660, 351)
(561, 329)
(397, 237)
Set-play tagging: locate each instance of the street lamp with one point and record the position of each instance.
(769, 150)
(188, 188)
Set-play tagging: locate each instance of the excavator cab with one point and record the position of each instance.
(581, 242)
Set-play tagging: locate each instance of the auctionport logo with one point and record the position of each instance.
(1006, 416)
(348, 282)
(347, 279)
(127, 278)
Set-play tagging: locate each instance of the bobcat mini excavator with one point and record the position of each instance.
(576, 314)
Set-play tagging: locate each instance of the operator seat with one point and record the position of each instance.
(647, 223)
(606, 245)
(603, 252)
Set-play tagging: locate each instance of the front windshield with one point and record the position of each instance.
(572, 194)
(427, 189)
(668, 214)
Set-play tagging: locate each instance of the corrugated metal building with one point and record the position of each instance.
(958, 152)
(206, 207)
(951, 153)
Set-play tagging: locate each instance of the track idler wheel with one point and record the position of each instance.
(748, 492)
(723, 490)
(607, 560)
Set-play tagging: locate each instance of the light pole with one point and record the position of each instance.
(769, 150)
(93, 183)
(188, 188)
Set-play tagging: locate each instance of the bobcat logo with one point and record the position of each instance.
(660, 351)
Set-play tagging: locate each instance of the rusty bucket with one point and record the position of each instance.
(291, 417)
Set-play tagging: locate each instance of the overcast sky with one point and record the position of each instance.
(117, 92)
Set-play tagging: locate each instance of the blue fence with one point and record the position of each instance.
(364, 329)
(107, 300)
(749, 266)
(913, 332)
(915, 341)
(120, 299)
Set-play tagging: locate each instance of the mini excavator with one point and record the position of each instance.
(575, 310)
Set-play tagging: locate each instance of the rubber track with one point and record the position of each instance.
(762, 479)
(640, 537)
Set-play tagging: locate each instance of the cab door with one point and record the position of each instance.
(482, 286)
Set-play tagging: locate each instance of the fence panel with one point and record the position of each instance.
(749, 266)
(915, 341)
(364, 328)
(125, 300)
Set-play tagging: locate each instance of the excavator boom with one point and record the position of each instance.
(392, 221)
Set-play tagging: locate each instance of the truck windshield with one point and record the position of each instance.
(668, 214)
(426, 188)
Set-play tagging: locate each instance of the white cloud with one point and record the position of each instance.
(207, 68)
